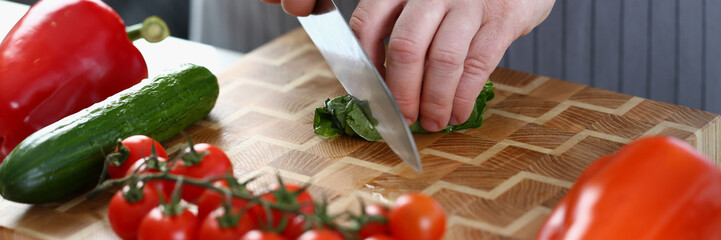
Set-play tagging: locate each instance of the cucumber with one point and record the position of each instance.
(66, 158)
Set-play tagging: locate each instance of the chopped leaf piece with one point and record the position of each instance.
(350, 116)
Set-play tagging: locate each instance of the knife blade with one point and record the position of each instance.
(339, 46)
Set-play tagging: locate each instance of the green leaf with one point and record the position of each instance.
(346, 115)
(361, 125)
(475, 120)
(323, 124)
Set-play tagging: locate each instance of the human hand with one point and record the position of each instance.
(440, 52)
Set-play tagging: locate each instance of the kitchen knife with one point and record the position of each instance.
(356, 72)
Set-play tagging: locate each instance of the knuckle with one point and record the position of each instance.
(405, 102)
(356, 23)
(434, 104)
(438, 3)
(430, 107)
(431, 111)
(408, 107)
(464, 100)
(404, 50)
(478, 66)
(446, 58)
(359, 19)
(462, 106)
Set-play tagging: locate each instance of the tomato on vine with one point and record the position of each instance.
(261, 235)
(296, 227)
(374, 227)
(379, 237)
(289, 194)
(160, 225)
(128, 207)
(201, 161)
(416, 216)
(321, 234)
(210, 200)
(152, 165)
(221, 226)
(226, 210)
(169, 220)
(129, 151)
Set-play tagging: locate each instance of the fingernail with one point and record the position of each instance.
(453, 121)
(429, 125)
(409, 121)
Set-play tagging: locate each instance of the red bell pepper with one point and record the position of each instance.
(61, 57)
(653, 188)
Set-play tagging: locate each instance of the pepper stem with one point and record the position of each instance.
(153, 29)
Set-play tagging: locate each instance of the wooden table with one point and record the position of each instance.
(500, 180)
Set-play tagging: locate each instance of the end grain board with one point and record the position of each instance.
(498, 181)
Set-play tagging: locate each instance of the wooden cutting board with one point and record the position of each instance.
(500, 180)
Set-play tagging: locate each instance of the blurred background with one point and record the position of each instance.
(665, 50)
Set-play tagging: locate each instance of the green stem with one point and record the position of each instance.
(229, 219)
(116, 183)
(172, 207)
(192, 157)
(153, 29)
(135, 192)
(117, 158)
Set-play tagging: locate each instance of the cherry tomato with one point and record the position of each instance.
(211, 200)
(417, 216)
(379, 237)
(213, 164)
(159, 226)
(261, 235)
(296, 227)
(160, 185)
(210, 227)
(321, 234)
(374, 228)
(125, 216)
(303, 199)
(139, 146)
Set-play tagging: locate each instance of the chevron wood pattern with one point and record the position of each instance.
(499, 181)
